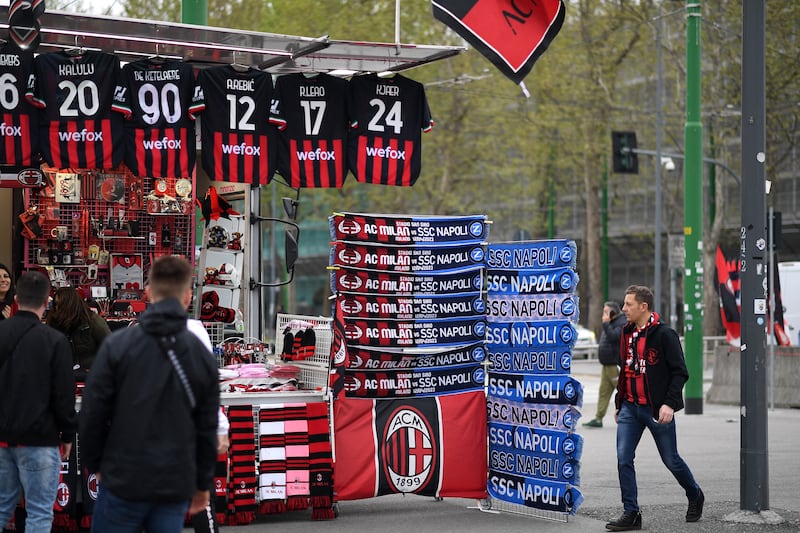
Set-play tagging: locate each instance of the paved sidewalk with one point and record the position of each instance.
(710, 444)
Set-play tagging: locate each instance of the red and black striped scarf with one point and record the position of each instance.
(271, 459)
(243, 482)
(297, 468)
(320, 461)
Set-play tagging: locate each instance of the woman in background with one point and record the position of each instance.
(84, 328)
(7, 303)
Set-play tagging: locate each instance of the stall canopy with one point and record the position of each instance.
(132, 39)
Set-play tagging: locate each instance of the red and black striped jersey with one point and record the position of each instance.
(387, 118)
(311, 114)
(159, 99)
(76, 91)
(19, 120)
(238, 141)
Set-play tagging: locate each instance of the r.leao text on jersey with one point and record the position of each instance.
(78, 128)
(237, 139)
(19, 121)
(159, 99)
(311, 114)
(387, 118)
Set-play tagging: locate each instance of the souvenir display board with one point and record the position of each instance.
(100, 230)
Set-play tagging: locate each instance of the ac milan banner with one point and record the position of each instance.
(524, 463)
(376, 282)
(551, 281)
(537, 441)
(535, 493)
(429, 446)
(533, 361)
(541, 307)
(559, 417)
(532, 255)
(411, 307)
(393, 229)
(511, 34)
(407, 259)
(529, 388)
(366, 359)
(414, 383)
(411, 333)
(729, 289)
(550, 333)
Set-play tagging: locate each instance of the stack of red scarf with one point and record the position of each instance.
(320, 461)
(271, 459)
(295, 428)
(242, 484)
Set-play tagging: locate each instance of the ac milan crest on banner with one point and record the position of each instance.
(411, 307)
(536, 440)
(367, 359)
(407, 259)
(533, 255)
(729, 289)
(548, 333)
(415, 333)
(536, 493)
(392, 229)
(533, 360)
(529, 388)
(430, 446)
(350, 280)
(415, 382)
(548, 416)
(540, 307)
(511, 34)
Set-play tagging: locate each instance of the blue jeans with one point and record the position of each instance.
(113, 514)
(631, 423)
(34, 470)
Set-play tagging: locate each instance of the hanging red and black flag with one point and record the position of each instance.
(512, 34)
(729, 289)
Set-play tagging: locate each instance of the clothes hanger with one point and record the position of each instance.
(157, 58)
(75, 51)
(238, 67)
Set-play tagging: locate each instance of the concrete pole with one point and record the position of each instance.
(659, 125)
(693, 215)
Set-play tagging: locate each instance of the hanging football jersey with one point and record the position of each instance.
(311, 114)
(19, 120)
(75, 91)
(387, 118)
(237, 139)
(159, 99)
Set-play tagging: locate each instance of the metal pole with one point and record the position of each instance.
(754, 471)
(693, 215)
(194, 12)
(604, 229)
(659, 120)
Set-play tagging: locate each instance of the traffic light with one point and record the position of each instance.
(625, 160)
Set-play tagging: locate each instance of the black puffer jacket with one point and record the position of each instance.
(608, 347)
(37, 390)
(136, 425)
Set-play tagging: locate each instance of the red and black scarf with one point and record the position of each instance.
(320, 461)
(243, 482)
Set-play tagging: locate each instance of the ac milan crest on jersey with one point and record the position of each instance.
(160, 100)
(311, 113)
(387, 117)
(238, 141)
(18, 119)
(78, 128)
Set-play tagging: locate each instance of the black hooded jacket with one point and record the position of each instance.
(137, 427)
(608, 347)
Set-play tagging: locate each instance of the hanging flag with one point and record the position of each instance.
(728, 287)
(511, 34)
(778, 325)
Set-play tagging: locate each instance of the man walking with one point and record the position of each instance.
(148, 418)
(608, 355)
(37, 406)
(649, 392)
